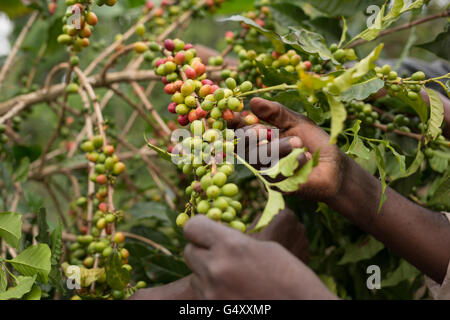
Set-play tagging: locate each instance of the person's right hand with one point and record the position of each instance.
(298, 131)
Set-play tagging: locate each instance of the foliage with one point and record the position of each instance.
(293, 52)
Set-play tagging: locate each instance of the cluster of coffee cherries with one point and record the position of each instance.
(79, 21)
(83, 254)
(206, 107)
(107, 164)
(395, 84)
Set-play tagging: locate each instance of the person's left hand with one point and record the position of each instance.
(229, 265)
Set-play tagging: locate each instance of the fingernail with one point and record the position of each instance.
(296, 142)
(308, 156)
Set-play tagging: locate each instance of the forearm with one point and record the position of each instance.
(178, 290)
(417, 234)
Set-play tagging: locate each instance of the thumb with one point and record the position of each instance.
(274, 113)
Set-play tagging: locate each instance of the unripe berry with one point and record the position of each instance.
(230, 190)
(238, 225)
(214, 214)
(108, 150)
(119, 168)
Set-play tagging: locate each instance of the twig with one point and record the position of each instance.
(17, 45)
(402, 27)
(57, 204)
(148, 241)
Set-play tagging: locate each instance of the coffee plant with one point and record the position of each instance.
(96, 186)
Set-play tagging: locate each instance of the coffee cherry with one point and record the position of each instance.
(88, 262)
(103, 207)
(101, 179)
(119, 238)
(234, 104)
(212, 192)
(107, 252)
(246, 86)
(339, 55)
(219, 179)
(108, 150)
(182, 219)
(214, 214)
(238, 225)
(183, 120)
(412, 95)
(117, 294)
(169, 45)
(72, 88)
(119, 168)
(141, 285)
(418, 76)
(230, 190)
(88, 146)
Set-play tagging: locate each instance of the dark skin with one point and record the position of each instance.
(285, 230)
(419, 235)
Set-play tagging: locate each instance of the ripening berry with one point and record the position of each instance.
(192, 116)
(119, 238)
(101, 179)
(108, 150)
(170, 88)
(228, 115)
(149, 5)
(179, 58)
(251, 119)
(199, 68)
(119, 168)
(91, 18)
(201, 113)
(190, 73)
(205, 91)
(103, 207)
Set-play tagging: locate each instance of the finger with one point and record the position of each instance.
(196, 285)
(268, 154)
(204, 232)
(196, 258)
(274, 113)
(237, 122)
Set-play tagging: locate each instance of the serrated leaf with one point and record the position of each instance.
(275, 203)
(357, 147)
(34, 294)
(436, 114)
(362, 91)
(292, 183)
(439, 162)
(11, 228)
(362, 250)
(271, 35)
(338, 117)
(42, 236)
(286, 166)
(24, 285)
(35, 260)
(116, 276)
(405, 271)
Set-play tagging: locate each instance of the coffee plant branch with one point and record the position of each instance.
(402, 27)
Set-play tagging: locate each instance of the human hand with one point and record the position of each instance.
(227, 264)
(298, 131)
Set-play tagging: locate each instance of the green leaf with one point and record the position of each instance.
(344, 32)
(57, 244)
(412, 168)
(34, 294)
(3, 280)
(336, 8)
(165, 269)
(354, 74)
(35, 260)
(163, 154)
(21, 173)
(89, 276)
(365, 249)
(357, 147)
(24, 285)
(405, 271)
(286, 166)
(272, 36)
(292, 183)
(308, 42)
(436, 114)
(440, 198)
(362, 91)
(42, 236)
(419, 106)
(338, 117)
(116, 276)
(275, 203)
(11, 228)
(273, 77)
(382, 171)
(439, 46)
